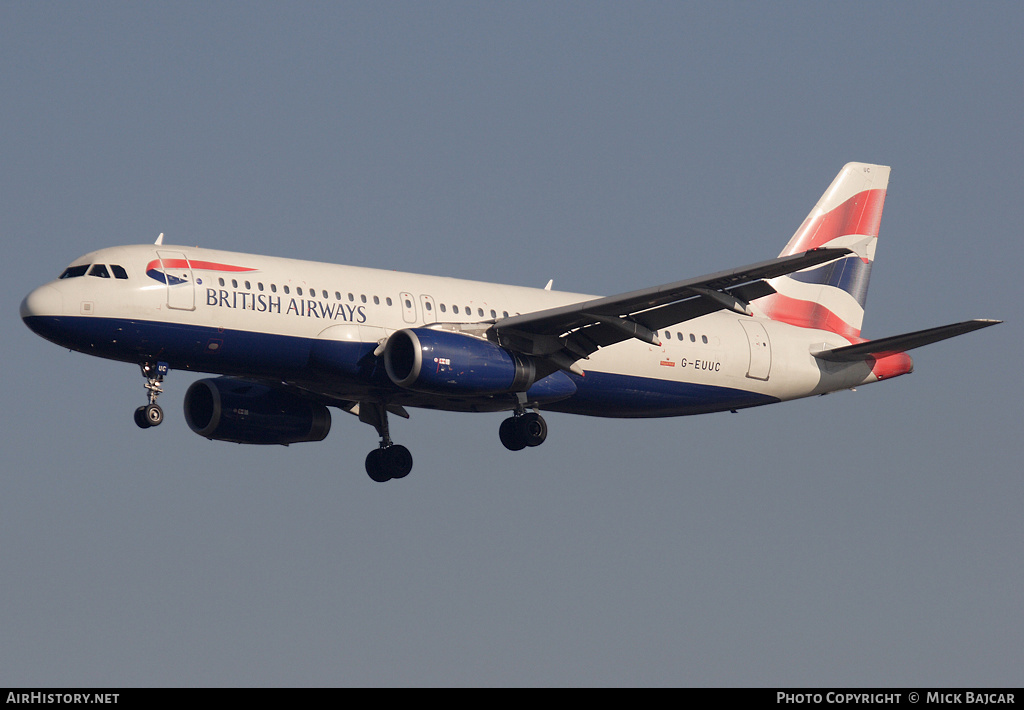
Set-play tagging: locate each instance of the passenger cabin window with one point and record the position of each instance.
(99, 270)
(119, 272)
(73, 271)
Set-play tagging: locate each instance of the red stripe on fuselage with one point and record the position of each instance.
(185, 264)
(893, 365)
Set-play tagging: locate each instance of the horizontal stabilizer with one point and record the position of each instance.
(901, 343)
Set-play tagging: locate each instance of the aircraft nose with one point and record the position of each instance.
(44, 301)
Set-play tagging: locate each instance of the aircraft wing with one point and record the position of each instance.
(901, 343)
(569, 333)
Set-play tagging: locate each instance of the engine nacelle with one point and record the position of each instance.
(244, 412)
(443, 362)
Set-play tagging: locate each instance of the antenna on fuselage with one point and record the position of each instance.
(550, 284)
(160, 239)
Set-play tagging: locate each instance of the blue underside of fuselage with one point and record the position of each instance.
(345, 370)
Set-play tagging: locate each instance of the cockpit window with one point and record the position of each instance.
(99, 270)
(73, 271)
(119, 271)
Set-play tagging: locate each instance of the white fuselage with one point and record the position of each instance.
(231, 313)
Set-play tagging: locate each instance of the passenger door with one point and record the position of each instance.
(760, 350)
(181, 292)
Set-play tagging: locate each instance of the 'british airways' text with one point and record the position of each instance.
(304, 308)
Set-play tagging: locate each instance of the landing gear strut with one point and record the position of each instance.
(390, 460)
(151, 414)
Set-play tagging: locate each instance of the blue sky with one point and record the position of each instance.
(867, 538)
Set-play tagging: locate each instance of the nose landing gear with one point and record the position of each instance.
(151, 414)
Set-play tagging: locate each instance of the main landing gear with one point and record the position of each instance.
(390, 460)
(151, 414)
(522, 430)
(387, 462)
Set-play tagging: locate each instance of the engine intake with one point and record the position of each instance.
(442, 362)
(244, 412)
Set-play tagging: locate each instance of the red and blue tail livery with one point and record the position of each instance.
(289, 340)
(832, 297)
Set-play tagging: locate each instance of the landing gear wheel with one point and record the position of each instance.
(398, 461)
(375, 466)
(389, 462)
(510, 436)
(533, 429)
(140, 418)
(516, 433)
(154, 414)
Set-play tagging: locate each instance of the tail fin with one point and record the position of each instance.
(832, 297)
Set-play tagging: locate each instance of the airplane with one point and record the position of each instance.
(291, 338)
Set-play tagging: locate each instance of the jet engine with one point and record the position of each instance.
(443, 362)
(245, 412)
